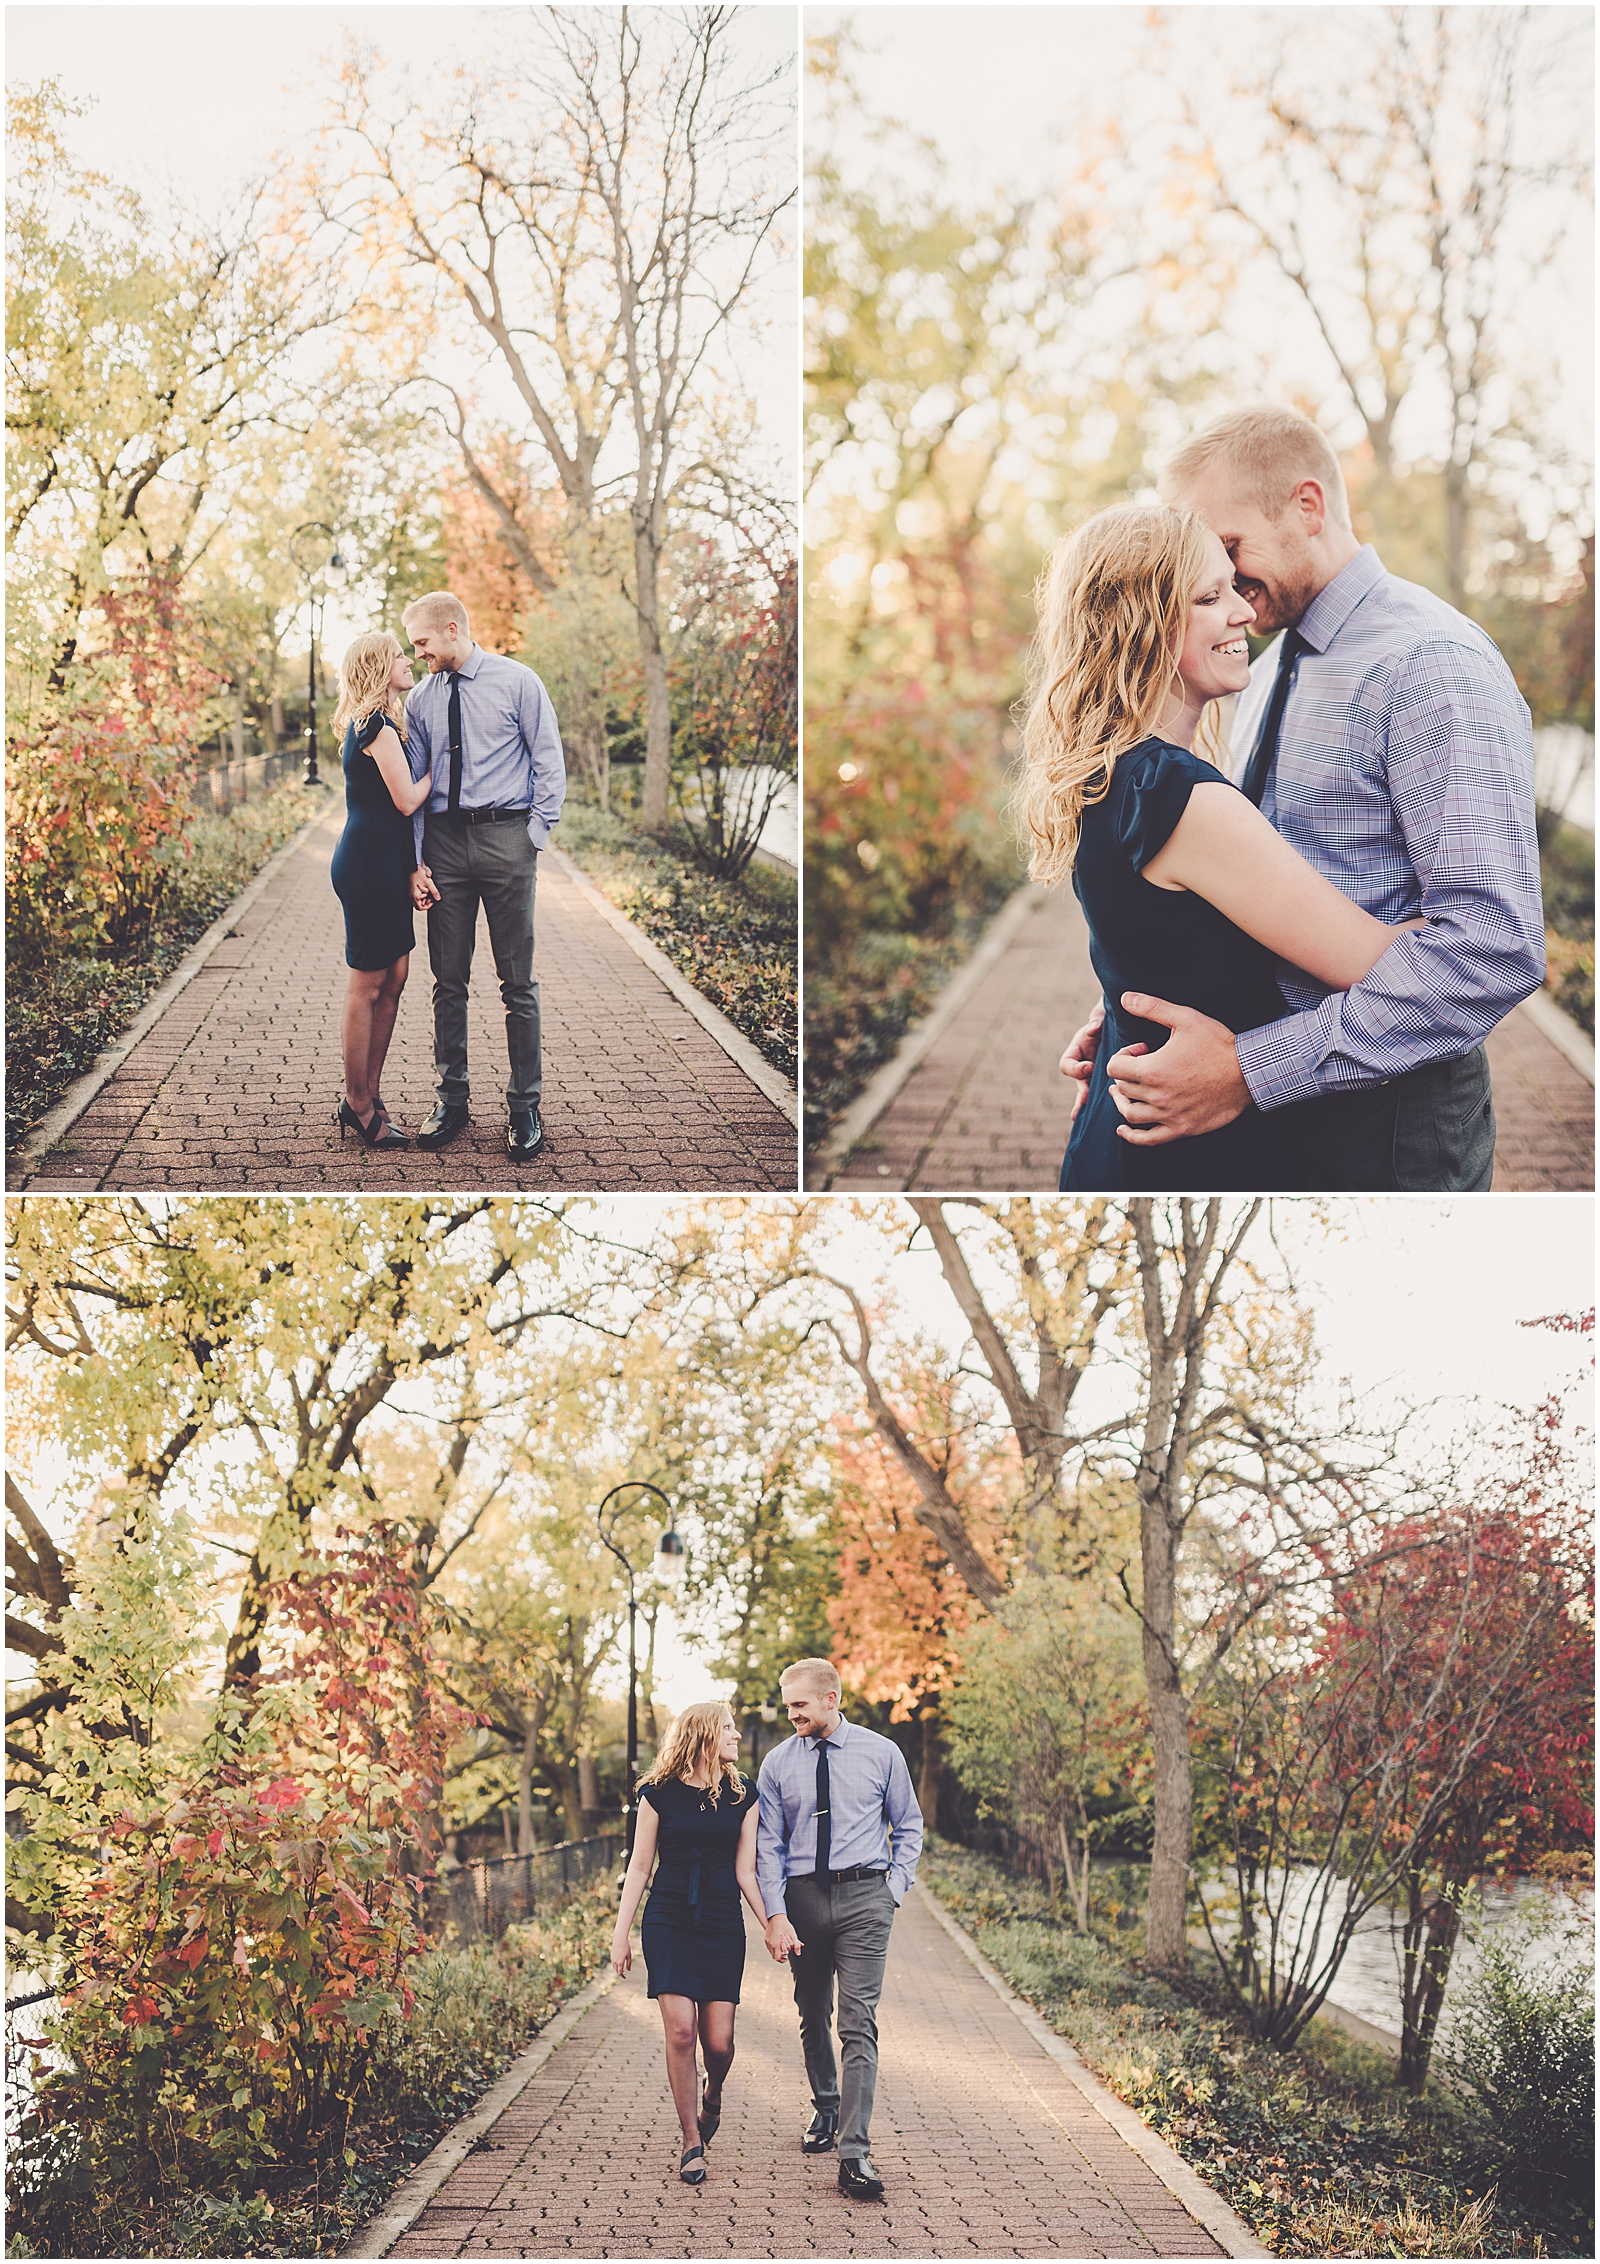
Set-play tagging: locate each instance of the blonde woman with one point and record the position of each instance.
(1190, 894)
(372, 869)
(698, 1815)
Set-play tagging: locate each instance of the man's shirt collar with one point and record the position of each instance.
(1332, 607)
(834, 1737)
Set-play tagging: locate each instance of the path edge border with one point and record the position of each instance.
(32, 1149)
(1226, 2227)
(885, 1082)
(769, 1081)
(407, 2202)
(1556, 1024)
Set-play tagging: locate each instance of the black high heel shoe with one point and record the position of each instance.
(377, 1132)
(709, 2119)
(691, 2171)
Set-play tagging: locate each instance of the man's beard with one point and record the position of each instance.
(1279, 604)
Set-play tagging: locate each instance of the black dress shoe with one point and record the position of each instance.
(437, 1130)
(525, 1133)
(821, 2131)
(859, 2179)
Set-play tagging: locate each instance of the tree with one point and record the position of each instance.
(902, 1614)
(1410, 183)
(599, 208)
(140, 354)
(737, 739)
(241, 1358)
(1046, 1724)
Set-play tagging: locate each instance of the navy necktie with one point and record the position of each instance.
(824, 1819)
(455, 745)
(1259, 769)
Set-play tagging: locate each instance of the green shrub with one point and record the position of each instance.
(1521, 2047)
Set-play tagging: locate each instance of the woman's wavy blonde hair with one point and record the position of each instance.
(692, 1740)
(1113, 603)
(364, 684)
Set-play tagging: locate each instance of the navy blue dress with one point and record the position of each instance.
(374, 861)
(1174, 945)
(692, 1932)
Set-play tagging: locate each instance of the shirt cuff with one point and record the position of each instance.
(538, 832)
(1272, 1067)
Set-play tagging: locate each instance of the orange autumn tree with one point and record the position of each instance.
(902, 1610)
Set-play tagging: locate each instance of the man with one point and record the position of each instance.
(1384, 736)
(831, 1797)
(483, 728)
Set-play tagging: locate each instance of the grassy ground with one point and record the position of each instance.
(1315, 2148)
(736, 941)
(1567, 871)
(60, 1017)
(476, 2008)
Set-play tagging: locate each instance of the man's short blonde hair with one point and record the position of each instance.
(819, 1674)
(435, 608)
(1269, 452)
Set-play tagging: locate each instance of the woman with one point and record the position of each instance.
(697, 1813)
(372, 869)
(1189, 893)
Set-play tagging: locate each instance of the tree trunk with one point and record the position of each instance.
(530, 1742)
(1166, 1931)
(571, 1804)
(238, 722)
(1455, 549)
(588, 1794)
(931, 1774)
(1428, 1943)
(280, 729)
(657, 702)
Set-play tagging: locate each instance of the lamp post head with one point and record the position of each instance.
(670, 1563)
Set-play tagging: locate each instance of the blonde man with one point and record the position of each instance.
(483, 731)
(836, 1854)
(1385, 738)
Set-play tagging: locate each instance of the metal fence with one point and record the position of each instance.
(485, 1898)
(225, 785)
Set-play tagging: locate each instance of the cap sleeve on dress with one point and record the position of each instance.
(1150, 789)
(370, 729)
(650, 1792)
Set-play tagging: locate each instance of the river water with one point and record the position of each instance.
(1368, 1980)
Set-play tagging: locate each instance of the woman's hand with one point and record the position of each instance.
(621, 1956)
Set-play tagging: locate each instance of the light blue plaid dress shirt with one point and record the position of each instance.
(869, 1787)
(510, 744)
(1405, 774)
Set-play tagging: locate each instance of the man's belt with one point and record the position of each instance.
(481, 817)
(848, 1878)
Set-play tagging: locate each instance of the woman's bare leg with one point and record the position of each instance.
(361, 994)
(385, 1007)
(678, 2025)
(716, 2044)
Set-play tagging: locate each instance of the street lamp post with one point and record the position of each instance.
(315, 575)
(668, 1566)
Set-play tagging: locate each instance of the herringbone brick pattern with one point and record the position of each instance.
(985, 2145)
(237, 1084)
(988, 1110)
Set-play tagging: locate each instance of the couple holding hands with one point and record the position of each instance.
(823, 1848)
(452, 787)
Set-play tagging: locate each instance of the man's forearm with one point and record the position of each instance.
(1432, 996)
(769, 1878)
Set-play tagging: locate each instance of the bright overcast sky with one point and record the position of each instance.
(999, 90)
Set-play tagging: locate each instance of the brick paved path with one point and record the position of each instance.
(988, 1109)
(237, 1084)
(986, 2146)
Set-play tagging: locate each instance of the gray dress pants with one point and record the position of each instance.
(845, 1929)
(495, 865)
(1429, 1130)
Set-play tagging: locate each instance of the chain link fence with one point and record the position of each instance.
(480, 1900)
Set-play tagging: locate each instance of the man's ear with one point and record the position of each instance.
(1312, 506)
